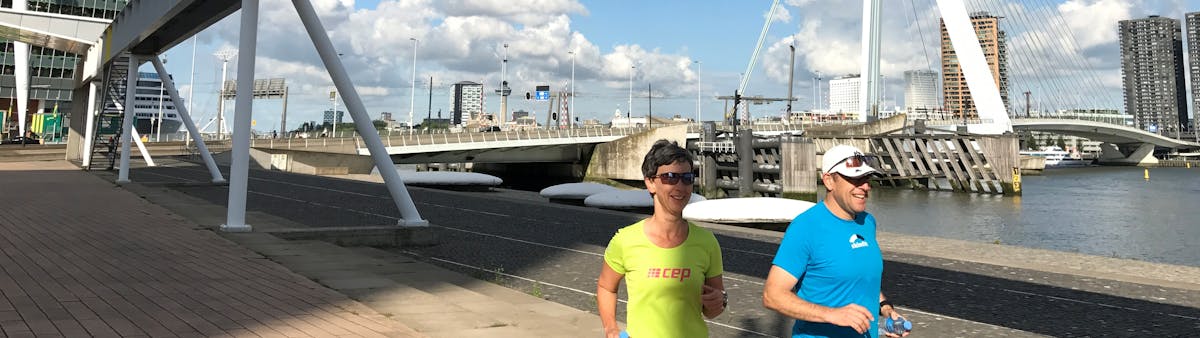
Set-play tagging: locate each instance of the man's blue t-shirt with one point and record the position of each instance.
(837, 262)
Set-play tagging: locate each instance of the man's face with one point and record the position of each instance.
(848, 193)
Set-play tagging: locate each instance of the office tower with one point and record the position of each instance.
(51, 72)
(920, 90)
(956, 96)
(1152, 72)
(843, 94)
(466, 102)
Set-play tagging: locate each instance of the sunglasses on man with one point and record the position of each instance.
(854, 161)
(674, 178)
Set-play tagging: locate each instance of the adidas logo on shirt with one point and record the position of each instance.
(857, 241)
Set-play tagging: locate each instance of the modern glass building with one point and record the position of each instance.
(920, 90)
(52, 72)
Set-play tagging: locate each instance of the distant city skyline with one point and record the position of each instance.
(462, 42)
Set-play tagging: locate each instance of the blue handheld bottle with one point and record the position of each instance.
(898, 326)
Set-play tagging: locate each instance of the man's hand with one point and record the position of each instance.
(854, 316)
(711, 298)
(890, 312)
(612, 332)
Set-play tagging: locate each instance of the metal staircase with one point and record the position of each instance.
(106, 143)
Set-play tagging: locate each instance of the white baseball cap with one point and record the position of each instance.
(836, 161)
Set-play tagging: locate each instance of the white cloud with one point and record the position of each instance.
(1093, 23)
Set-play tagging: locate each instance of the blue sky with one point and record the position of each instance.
(461, 39)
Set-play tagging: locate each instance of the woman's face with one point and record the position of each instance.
(671, 198)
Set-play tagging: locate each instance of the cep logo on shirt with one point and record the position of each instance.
(857, 241)
(669, 273)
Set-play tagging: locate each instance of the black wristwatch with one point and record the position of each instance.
(883, 303)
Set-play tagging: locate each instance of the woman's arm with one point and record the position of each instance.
(712, 297)
(606, 299)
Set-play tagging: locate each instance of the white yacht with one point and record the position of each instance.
(152, 101)
(1057, 157)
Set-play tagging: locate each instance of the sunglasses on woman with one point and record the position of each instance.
(674, 178)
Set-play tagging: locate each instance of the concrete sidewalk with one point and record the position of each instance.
(427, 299)
(81, 257)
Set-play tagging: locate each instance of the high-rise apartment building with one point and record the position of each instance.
(956, 96)
(843, 94)
(1153, 75)
(920, 90)
(466, 102)
(51, 72)
(1193, 38)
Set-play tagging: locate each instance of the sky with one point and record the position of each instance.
(654, 42)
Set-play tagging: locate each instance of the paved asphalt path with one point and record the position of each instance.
(518, 239)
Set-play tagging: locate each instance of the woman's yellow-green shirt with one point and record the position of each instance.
(664, 283)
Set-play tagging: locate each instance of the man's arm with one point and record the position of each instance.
(606, 299)
(778, 296)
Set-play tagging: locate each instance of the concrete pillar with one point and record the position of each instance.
(708, 164)
(799, 169)
(81, 119)
(745, 151)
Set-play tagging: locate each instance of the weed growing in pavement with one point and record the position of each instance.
(498, 275)
(537, 290)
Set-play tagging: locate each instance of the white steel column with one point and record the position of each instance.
(979, 77)
(358, 113)
(235, 217)
(137, 141)
(89, 131)
(21, 62)
(21, 52)
(127, 122)
(185, 115)
(868, 92)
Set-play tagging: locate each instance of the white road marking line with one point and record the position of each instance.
(593, 294)
(595, 254)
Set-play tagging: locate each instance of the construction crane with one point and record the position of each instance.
(762, 36)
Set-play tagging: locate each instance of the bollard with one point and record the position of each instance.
(1146, 174)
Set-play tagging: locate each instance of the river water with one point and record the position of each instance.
(1105, 211)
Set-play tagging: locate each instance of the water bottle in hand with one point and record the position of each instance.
(897, 326)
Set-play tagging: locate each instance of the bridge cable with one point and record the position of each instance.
(1016, 77)
(921, 34)
(1038, 65)
(1091, 75)
(1031, 64)
(1065, 51)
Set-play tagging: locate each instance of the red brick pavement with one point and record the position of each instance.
(81, 257)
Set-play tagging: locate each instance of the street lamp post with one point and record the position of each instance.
(697, 62)
(572, 111)
(629, 108)
(413, 96)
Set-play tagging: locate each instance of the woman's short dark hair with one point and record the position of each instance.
(662, 153)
